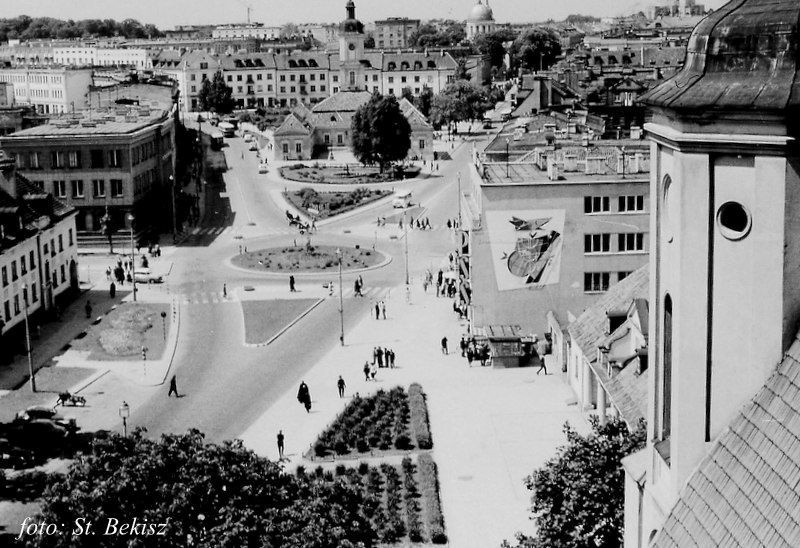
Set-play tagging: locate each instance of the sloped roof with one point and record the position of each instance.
(293, 125)
(413, 115)
(745, 491)
(343, 101)
(627, 389)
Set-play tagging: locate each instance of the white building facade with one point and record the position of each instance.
(50, 89)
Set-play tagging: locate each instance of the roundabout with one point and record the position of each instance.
(309, 259)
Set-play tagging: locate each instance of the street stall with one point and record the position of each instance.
(504, 343)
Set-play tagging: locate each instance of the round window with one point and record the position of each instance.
(733, 220)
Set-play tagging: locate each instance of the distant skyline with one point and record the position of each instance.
(165, 14)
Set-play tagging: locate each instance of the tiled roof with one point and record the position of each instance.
(293, 125)
(344, 101)
(746, 492)
(413, 115)
(627, 388)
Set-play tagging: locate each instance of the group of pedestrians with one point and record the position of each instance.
(419, 223)
(472, 351)
(445, 287)
(380, 310)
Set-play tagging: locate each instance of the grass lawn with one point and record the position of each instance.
(354, 174)
(330, 204)
(263, 319)
(123, 331)
(317, 258)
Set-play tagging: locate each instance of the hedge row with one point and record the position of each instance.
(419, 416)
(429, 484)
(412, 503)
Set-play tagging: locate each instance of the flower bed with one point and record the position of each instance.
(419, 416)
(378, 422)
(305, 258)
(330, 204)
(349, 174)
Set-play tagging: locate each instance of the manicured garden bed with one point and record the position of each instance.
(396, 499)
(386, 422)
(354, 174)
(125, 330)
(330, 204)
(308, 258)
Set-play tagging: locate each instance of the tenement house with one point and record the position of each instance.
(116, 160)
(51, 90)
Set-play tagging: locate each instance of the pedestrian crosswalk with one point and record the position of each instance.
(209, 230)
(206, 297)
(377, 292)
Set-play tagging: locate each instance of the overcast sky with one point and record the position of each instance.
(168, 13)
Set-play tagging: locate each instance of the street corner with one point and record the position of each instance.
(267, 319)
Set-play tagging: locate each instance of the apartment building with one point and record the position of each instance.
(51, 90)
(394, 32)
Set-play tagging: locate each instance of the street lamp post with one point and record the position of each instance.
(508, 141)
(124, 413)
(28, 337)
(341, 298)
(405, 237)
(174, 215)
(164, 323)
(459, 200)
(133, 257)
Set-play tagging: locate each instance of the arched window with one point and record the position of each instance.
(666, 371)
(417, 65)
(292, 63)
(404, 65)
(391, 65)
(431, 64)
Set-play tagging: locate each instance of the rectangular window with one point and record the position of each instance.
(283, 89)
(16, 304)
(322, 88)
(403, 79)
(77, 188)
(238, 77)
(230, 78)
(286, 148)
(57, 159)
(596, 243)
(421, 144)
(52, 247)
(594, 282)
(258, 76)
(282, 78)
(298, 148)
(631, 203)
(335, 77)
(633, 241)
(60, 189)
(5, 277)
(32, 259)
(60, 243)
(291, 77)
(69, 234)
(23, 266)
(14, 271)
(34, 297)
(98, 188)
(7, 310)
(622, 275)
(74, 158)
(339, 139)
(116, 188)
(115, 158)
(391, 79)
(33, 160)
(96, 158)
(63, 274)
(595, 204)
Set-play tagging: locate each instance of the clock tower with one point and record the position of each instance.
(351, 50)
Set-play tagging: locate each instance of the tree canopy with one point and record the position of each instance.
(424, 101)
(381, 133)
(460, 100)
(579, 495)
(491, 45)
(446, 33)
(25, 27)
(535, 48)
(210, 495)
(215, 95)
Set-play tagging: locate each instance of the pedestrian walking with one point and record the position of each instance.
(144, 353)
(108, 273)
(340, 384)
(88, 309)
(280, 444)
(470, 356)
(304, 396)
(173, 387)
(390, 358)
(377, 311)
(366, 370)
(330, 289)
(372, 372)
(291, 284)
(360, 283)
(449, 224)
(444, 345)
(374, 354)
(463, 345)
(112, 290)
(380, 357)
(383, 309)
(356, 289)
(224, 290)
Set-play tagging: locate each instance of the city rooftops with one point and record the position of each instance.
(122, 119)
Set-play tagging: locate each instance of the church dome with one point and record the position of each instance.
(742, 57)
(481, 12)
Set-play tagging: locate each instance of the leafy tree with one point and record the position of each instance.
(369, 42)
(461, 72)
(459, 101)
(28, 28)
(210, 495)
(289, 30)
(446, 33)
(491, 45)
(424, 101)
(381, 134)
(215, 95)
(535, 48)
(579, 495)
(407, 93)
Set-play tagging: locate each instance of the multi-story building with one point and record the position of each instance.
(116, 160)
(246, 30)
(50, 90)
(38, 252)
(394, 32)
(308, 77)
(94, 56)
(553, 220)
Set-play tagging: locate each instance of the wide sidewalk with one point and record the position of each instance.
(491, 427)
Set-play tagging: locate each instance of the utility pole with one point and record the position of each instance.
(341, 298)
(405, 237)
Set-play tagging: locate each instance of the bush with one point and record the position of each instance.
(429, 486)
(320, 449)
(419, 416)
(361, 445)
(402, 442)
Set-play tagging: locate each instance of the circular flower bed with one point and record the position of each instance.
(307, 258)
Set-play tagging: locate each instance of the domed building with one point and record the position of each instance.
(480, 20)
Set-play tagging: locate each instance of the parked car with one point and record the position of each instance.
(40, 417)
(144, 275)
(248, 138)
(253, 146)
(262, 168)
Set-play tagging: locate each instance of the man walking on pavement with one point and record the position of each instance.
(383, 309)
(291, 284)
(304, 396)
(444, 345)
(340, 384)
(88, 309)
(366, 370)
(463, 345)
(280, 444)
(377, 311)
(173, 387)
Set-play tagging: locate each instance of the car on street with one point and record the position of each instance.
(262, 168)
(44, 418)
(253, 146)
(146, 276)
(248, 138)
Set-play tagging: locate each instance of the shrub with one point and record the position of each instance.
(419, 416)
(361, 445)
(363, 468)
(429, 486)
(340, 469)
(402, 442)
(340, 446)
(320, 449)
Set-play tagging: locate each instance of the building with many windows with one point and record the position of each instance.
(394, 32)
(38, 252)
(553, 220)
(51, 90)
(117, 160)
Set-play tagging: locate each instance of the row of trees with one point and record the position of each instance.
(534, 49)
(25, 27)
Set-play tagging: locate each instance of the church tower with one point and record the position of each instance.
(351, 50)
(725, 230)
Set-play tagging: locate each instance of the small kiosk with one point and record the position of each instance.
(505, 344)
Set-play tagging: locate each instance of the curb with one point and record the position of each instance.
(285, 328)
(353, 212)
(282, 275)
(86, 383)
(177, 309)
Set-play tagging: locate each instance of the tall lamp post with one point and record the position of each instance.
(133, 256)
(459, 200)
(174, 215)
(508, 141)
(28, 337)
(124, 413)
(405, 237)
(341, 298)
